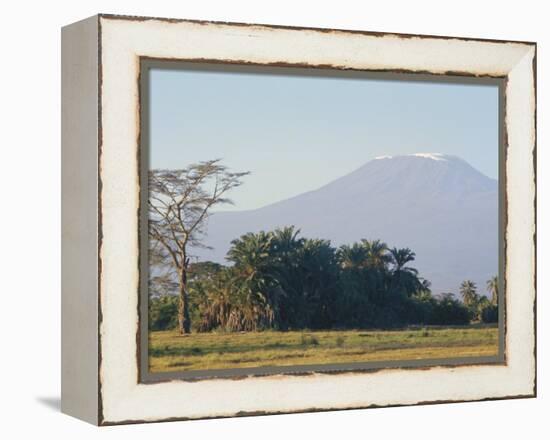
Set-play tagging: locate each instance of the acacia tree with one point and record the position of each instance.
(180, 202)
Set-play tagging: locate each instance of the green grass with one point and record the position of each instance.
(168, 351)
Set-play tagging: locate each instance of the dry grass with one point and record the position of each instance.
(168, 351)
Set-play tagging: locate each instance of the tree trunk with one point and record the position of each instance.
(184, 320)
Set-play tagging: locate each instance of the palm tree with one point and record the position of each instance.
(215, 298)
(352, 257)
(426, 285)
(318, 274)
(251, 251)
(258, 290)
(468, 290)
(284, 249)
(404, 278)
(492, 287)
(400, 257)
(285, 240)
(377, 254)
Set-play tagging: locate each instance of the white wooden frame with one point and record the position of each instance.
(100, 135)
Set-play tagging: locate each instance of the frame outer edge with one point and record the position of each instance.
(535, 274)
(107, 422)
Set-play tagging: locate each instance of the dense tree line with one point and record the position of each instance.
(280, 280)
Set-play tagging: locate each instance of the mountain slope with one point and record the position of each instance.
(438, 205)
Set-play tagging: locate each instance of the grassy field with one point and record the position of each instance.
(168, 351)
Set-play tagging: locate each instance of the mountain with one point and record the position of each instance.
(438, 205)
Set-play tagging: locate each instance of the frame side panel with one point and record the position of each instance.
(79, 182)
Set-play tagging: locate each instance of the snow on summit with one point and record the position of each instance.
(433, 156)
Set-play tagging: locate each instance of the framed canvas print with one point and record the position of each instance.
(264, 219)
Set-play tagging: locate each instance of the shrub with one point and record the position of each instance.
(489, 313)
(449, 311)
(163, 312)
(340, 341)
(420, 308)
(309, 340)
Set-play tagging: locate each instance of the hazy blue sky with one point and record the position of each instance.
(297, 133)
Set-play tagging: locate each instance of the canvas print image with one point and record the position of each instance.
(304, 219)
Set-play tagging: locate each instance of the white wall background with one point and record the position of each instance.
(30, 217)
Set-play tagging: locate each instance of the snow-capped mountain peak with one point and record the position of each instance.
(438, 205)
